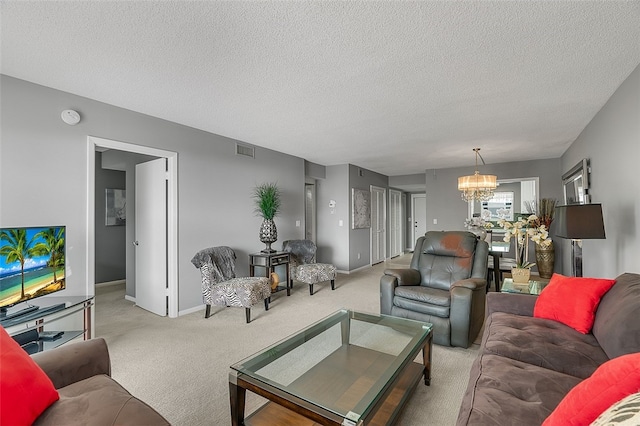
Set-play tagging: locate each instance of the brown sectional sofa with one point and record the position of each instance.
(81, 372)
(527, 365)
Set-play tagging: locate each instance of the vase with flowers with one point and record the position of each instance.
(523, 230)
(478, 226)
(545, 255)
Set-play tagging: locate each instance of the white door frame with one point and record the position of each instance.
(384, 222)
(395, 229)
(172, 211)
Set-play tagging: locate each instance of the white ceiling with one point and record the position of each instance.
(394, 87)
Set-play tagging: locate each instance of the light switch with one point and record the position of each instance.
(297, 223)
(340, 222)
(435, 221)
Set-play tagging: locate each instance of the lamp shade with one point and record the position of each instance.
(579, 221)
(477, 181)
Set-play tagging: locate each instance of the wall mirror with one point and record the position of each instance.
(576, 184)
(513, 198)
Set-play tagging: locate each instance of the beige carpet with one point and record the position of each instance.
(180, 366)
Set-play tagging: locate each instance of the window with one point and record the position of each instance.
(500, 206)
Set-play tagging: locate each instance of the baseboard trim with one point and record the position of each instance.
(129, 298)
(191, 310)
(109, 283)
(353, 270)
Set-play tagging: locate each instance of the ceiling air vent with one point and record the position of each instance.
(247, 151)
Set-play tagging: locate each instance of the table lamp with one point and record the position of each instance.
(579, 222)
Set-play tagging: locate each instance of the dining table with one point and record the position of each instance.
(496, 250)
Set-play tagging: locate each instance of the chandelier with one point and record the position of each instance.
(477, 187)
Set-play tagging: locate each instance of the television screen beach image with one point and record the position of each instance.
(32, 263)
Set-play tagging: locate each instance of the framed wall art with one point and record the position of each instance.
(116, 203)
(360, 208)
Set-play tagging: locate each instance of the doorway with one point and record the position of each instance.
(418, 216)
(171, 249)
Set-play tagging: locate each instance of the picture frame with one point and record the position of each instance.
(115, 207)
(575, 184)
(360, 208)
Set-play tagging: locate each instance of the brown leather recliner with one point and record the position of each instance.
(444, 286)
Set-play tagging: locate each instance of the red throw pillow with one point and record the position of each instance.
(25, 390)
(572, 300)
(611, 382)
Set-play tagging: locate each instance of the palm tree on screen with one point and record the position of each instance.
(17, 249)
(53, 245)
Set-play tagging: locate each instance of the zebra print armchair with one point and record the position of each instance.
(221, 287)
(303, 264)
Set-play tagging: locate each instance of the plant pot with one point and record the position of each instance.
(545, 260)
(268, 234)
(520, 275)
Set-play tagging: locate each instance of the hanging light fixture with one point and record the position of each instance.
(477, 187)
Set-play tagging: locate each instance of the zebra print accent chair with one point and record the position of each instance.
(220, 287)
(625, 412)
(303, 264)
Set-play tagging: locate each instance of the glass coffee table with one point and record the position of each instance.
(532, 287)
(349, 368)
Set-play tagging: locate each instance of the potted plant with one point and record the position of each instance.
(267, 200)
(522, 230)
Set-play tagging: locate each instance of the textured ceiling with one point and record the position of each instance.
(395, 87)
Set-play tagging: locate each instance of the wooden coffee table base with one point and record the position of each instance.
(272, 413)
(353, 385)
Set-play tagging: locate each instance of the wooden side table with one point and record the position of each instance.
(269, 261)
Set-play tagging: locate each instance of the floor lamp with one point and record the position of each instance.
(579, 222)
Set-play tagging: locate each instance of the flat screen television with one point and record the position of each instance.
(32, 264)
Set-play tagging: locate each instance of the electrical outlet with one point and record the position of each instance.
(297, 224)
(435, 221)
(358, 255)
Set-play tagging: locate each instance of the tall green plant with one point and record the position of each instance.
(267, 199)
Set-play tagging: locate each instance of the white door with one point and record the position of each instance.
(395, 223)
(418, 216)
(378, 219)
(151, 236)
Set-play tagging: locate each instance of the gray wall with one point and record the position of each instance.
(445, 205)
(360, 239)
(414, 181)
(443, 198)
(315, 171)
(339, 244)
(110, 240)
(214, 185)
(612, 143)
(333, 239)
